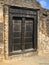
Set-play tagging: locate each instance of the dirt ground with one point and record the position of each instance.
(26, 60)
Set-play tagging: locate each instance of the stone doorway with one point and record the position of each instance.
(22, 30)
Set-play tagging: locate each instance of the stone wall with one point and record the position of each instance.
(22, 3)
(43, 32)
(43, 25)
(1, 32)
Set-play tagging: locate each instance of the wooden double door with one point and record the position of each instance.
(21, 35)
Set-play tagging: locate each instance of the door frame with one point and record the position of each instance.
(35, 27)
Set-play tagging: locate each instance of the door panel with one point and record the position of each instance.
(28, 33)
(16, 34)
(28, 45)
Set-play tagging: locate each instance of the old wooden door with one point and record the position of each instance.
(22, 32)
